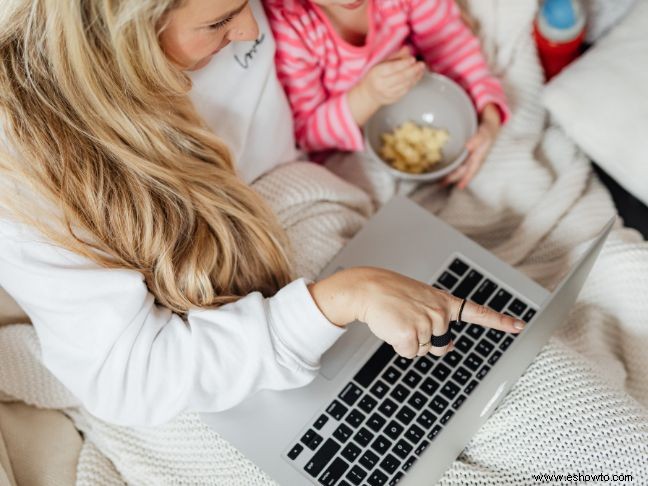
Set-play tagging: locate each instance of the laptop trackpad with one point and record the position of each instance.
(338, 355)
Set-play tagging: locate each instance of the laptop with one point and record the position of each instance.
(371, 417)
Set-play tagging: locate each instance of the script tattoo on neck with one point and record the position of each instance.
(249, 55)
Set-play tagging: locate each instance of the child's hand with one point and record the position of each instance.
(384, 84)
(478, 148)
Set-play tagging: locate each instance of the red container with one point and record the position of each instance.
(555, 56)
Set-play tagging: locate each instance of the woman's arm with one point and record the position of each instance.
(133, 362)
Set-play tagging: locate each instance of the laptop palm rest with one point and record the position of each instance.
(339, 355)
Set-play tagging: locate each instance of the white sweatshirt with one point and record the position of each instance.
(133, 362)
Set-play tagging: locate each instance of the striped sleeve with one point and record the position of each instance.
(450, 48)
(322, 122)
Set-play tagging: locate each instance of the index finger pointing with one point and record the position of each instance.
(479, 314)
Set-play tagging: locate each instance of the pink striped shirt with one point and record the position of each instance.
(318, 68)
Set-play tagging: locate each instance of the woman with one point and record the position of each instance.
(156, 279)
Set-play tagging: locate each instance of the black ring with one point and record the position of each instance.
(442, 341)
(463, 303)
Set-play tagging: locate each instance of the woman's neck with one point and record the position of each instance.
(351, 25)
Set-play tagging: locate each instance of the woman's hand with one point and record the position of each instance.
(478, 148)
(384, 84)
(401, 311)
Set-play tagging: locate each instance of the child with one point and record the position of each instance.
(341, 60)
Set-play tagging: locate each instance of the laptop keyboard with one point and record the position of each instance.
(383, 419)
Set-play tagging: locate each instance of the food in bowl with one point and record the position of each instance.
(413, 148)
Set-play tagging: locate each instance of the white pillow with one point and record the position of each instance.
(602, 15)
(601, 101)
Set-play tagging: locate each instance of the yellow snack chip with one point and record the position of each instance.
(413, 148)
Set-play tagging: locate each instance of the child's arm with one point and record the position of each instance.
(450, 48)
(321, 122)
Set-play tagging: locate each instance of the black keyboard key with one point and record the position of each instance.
(464, 343)
(466, 286)
(426, 419)
(458, 267)
(517, 307)
(452, 359)
(434, 432)
(471, 386)
(351, 451)
(506, 343)
(484, 348)
(344, 483)
(482, 372)
(295, 451)
(387, 407)
(350, 394)
(412, 378)
(493, 359)
(369, 459)
(461, 375)
(447, 416)
(457, 326)
(423, 364)
(458, 402)
(337, 410)
(390, 464)
(500, 300)
(334, 472)
(322, 457)
(367, 403)
(475, 331)
(376, 422)
(342, 433)
(381, 444)
(311, 439)
(394, 430)
(441, 371)
(447, 280)
(449, 390)
(379, 389)
(414, 434)
(356, 475)
(429, 386)
(397, 477)
(363, 437)
(529, 315)
(402, 448)
(483, 292)
(400, 393)
(405, 415)
(375, 365)
(320, 422)
(403, 363)
(355, 418)
(438, 405)
(377, 478)
(421, 448)
(409, 463)
(495, 335)
(417, 401)
(473, 361)
(392, 375)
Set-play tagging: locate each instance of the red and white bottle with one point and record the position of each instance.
(559, 31)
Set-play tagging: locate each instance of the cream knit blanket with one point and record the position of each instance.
(581, 407)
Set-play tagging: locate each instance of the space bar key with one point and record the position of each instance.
(374, 366)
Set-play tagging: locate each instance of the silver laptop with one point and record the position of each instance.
(373, 418)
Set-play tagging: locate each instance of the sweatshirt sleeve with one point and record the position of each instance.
(322, 122)
(132, 362)
(450, 48)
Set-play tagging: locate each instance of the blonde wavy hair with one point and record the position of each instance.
(101, 127)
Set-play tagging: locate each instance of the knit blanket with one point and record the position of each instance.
(581, 408)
